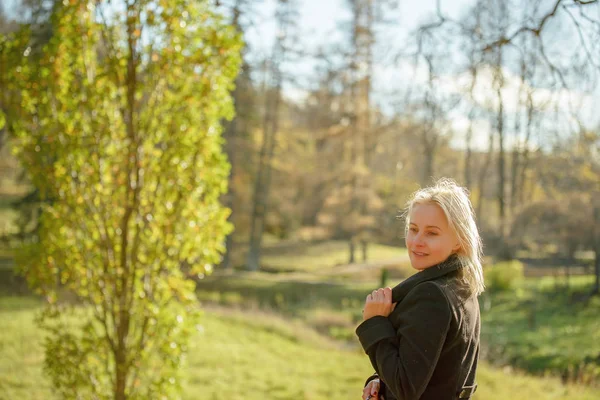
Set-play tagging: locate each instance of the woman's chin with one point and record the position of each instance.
(421, 263)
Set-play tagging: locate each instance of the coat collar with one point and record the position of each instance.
(451, 264)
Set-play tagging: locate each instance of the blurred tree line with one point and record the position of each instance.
(338, 164)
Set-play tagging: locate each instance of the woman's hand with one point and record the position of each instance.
(371, 391)
(378, 303)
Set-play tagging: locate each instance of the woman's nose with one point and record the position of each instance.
(418, 239)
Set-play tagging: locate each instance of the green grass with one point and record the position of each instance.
(8, 216)
(331, 308)
(543, 328)
(315, 257)
(250, 355)
(535, 328)
(21, 352)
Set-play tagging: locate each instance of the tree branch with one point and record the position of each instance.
(537, 30)
(581, 38)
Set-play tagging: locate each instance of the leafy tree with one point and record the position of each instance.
(120, 130)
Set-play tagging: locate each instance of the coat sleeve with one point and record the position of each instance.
(406, 358)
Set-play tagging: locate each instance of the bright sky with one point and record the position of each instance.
(325, 22)
(320, 18)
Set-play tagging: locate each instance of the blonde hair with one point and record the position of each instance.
(454, 202)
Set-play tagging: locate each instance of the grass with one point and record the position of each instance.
(544, 328)
(331, 308)
(21, 352)
(241, 355)
(539, 327)
(315, 257)
(8, 218)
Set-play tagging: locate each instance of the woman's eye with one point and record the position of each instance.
(432, 233)
(413, 229)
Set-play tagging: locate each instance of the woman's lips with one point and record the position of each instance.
(419, 254)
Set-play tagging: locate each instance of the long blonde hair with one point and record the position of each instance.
(454, 202)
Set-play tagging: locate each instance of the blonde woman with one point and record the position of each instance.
(422, 336)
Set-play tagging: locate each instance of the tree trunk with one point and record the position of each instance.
(518, 148)
(271, 126)
(525, 155)
(430, 135)
(483, 174)
(120, 373)
(258, 209)
(124, 283)
(468, 152)
(253, 256)
(597, 248)
(351, 249)
(362, 41)
(501, 172)
(514, 175)
(231, 135)
(230, 139)
(429, 159)
(469, 138)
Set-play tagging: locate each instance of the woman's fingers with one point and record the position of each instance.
(374, 387)
(381, 295)
(387, 295)
(371, 391)
(379, 302)
(366, 393)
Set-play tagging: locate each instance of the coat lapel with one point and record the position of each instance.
(452, 263)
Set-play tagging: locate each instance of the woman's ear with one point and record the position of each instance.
(456, 248)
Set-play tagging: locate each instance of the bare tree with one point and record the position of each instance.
(236, 133)
(596, 289)
(286, 16)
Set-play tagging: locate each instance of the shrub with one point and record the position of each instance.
(503, 276)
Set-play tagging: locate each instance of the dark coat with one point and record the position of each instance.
(428, 347)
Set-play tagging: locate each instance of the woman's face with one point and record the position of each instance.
(429, 240)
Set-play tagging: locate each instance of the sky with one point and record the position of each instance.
(322, 22)
(320, 18)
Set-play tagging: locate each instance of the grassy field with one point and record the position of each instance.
(306, 312)
(543, 328)
(240, 355)
(323, 256)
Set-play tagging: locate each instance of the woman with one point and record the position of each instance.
(422, 336)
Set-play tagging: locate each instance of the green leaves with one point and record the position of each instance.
(123, 139)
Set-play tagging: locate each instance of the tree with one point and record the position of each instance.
(286, 14)
(37, 19)
(358, 223)
(6, 25)
(237, 135)
(119, 129)
(596, 289)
